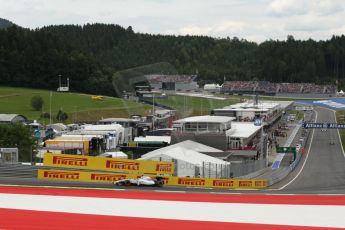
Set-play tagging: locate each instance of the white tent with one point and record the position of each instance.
(189, 162)
(188, 144)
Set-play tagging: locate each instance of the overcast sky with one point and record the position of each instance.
(254, 20)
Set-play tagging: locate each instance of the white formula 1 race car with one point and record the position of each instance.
(155, 181)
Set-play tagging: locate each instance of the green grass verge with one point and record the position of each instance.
(79, 107)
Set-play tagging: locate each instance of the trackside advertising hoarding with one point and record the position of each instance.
(83, 176)
(108, 164)
(66, 175)
(214, 183)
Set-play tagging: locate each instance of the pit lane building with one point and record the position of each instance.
(268, 111)
(220, 132)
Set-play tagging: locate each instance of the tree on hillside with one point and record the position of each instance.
(61, 115)
(4, 23)
(92, 54)
(37, 103)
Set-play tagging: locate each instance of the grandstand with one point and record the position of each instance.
(267, 88)
(270, 88)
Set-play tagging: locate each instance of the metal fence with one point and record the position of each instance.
(241, 169)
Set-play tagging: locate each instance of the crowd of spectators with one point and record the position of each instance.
(330, 88)
(251, 86)
(270, 87)
(266, 86)
(240, 85)
(290, 87)
(313, 88)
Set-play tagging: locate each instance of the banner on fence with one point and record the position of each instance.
(108, 164)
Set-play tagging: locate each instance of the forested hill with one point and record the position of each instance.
(90, 55)
(5, 23)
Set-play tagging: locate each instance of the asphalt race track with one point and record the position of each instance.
(322, 170)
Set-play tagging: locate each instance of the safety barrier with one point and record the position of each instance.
(108, 164)
(214, 183)
(84, 176)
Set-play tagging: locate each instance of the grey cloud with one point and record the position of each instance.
(312, 23)
(249, 19)
(328, 7)
(283, 8)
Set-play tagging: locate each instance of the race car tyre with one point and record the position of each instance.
(160, 183)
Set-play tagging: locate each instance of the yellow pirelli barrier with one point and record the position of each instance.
(170, 180)
(65, 175)
(215, 183)
(108, 164)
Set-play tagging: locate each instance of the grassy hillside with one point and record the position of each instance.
(79, 107)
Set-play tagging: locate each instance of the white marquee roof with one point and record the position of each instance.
(187, 155)
(188, 144)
